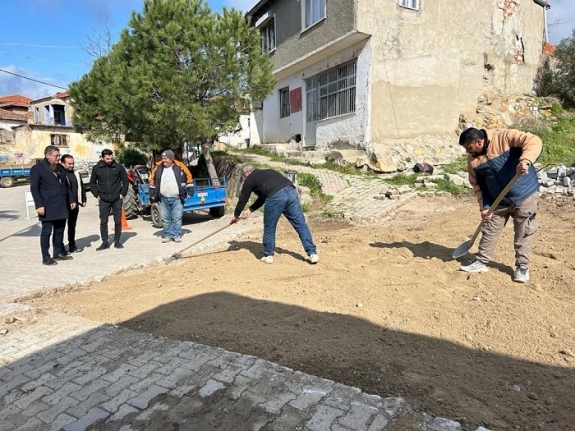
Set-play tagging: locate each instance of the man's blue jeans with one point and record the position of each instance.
(285, 202)
(171, 211)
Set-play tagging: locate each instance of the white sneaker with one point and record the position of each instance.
(166, 240)
(267, 259)
(178, 239)
(314, 258)
(475, 267)
(521, 274)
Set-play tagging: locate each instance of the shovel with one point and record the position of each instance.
(464, 247)
(178, 255)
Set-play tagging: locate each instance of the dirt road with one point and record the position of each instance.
(386, 310)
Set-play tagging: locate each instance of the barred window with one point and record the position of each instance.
(332, 93)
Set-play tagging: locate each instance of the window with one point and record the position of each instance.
(284, 102)
(268, 33)
(60, 140)
(314, 11)
(332, 93)
(410, 4)
(36, 115)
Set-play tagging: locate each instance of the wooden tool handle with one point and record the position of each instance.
(494, 206)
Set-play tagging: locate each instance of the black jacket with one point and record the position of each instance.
(262, 182)
(76, 185)
(108, 182)
(50, 190)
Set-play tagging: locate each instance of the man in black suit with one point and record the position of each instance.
(78, 190)
(52, 198)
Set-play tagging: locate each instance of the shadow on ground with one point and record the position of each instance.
(379, 360)
(428, 250)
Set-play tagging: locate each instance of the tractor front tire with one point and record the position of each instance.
(156, 215)
(131, 204)
(6, 182)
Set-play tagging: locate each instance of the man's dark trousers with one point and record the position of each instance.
(57, 240)
(72, 220)
(105, 208)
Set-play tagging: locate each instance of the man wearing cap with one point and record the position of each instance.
(170, 184)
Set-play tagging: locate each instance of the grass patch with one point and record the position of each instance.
(346, 169)
(454, 189)
(458, 165)
(314, 185)
(558, 138)
(402, 180)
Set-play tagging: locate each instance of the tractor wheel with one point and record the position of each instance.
(6, 182)
(217, 212)
(156, 216)
(131, 204)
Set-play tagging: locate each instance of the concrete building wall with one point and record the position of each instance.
(8, 124)
(31, 142)
(293, 41)
(431, 65)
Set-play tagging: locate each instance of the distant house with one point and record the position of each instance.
(13, 111)
(49, 122)
(391, 77)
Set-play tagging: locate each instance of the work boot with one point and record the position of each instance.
(267, 259)
(521, 274)
(314, 258)
(104, 246)
(475, 267)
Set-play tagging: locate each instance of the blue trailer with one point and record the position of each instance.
(11, 174)
(209, 194)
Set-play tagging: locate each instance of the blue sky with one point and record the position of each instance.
(63, 24)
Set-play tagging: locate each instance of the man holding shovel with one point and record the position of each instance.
(494, 159)
(280, 197)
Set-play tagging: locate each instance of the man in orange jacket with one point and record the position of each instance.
(170, 185)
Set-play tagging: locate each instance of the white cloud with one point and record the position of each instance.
(561, 20)
(11, 84)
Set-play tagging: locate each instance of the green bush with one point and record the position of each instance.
(130, 157)
(558, 138)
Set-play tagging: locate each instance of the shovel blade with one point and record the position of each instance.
(461, 250)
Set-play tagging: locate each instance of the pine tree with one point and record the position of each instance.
(179, 72)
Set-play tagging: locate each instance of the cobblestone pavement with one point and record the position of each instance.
(356, 198)
(61, 372)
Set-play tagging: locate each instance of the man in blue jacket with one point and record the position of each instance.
(52, 199)
(494, 158)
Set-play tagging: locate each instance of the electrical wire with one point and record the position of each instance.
(41, 59)
(42, 46)
(31, 79)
